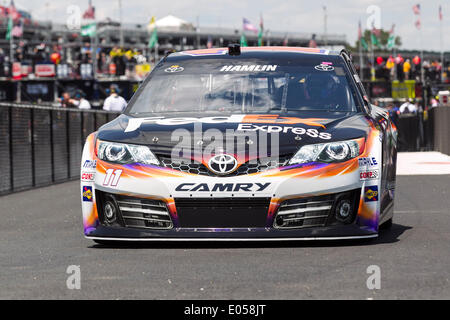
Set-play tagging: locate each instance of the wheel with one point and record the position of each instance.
(387, 225)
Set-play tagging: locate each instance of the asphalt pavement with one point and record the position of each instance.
(41, 235)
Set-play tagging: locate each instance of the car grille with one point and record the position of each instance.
(194, 167)
(316, 211)
(304, 213)
(222, 212)
(144, 213)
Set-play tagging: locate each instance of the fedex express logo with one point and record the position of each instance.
(314, 133)
(135, 123)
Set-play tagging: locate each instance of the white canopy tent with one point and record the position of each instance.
(173, 23)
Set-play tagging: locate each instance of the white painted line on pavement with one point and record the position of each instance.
(423, 163)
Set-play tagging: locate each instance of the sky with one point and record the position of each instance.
(278, 15)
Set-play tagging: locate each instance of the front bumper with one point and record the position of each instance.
(260, 234)
(213, 219)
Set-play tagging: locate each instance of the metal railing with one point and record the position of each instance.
(42, 145)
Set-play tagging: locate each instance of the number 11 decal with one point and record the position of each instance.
(114, 174)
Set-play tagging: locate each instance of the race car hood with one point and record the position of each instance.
(162, 132)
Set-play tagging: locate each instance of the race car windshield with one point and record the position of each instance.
(247, 86)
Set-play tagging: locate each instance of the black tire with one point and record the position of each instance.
(105, 242)
(387, 225)
(112, 243)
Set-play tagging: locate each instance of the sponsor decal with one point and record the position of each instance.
(90, 164)
(371, 194)
(87, 176)
(249, 68)
(135, 123)
(87, 194)
(222, 187)
(313, 133)
(174, 69)
(369, 175)
(324, 67)
(368, 162)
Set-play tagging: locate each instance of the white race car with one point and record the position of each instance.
(267, 143)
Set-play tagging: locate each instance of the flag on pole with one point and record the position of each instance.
(13, 13)
(17, 30)
(260, 38)
(361, 39)
(243, 41)
(374, 40)
(418, 24)
(89, 30)
(9, 28)
(374, 37)
(154, 36)
(376, 32)
(247, 25)
(416, 9)
(152, 24)
(90, 12)
(261, 32)
(391, 39)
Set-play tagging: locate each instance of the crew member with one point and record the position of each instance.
(114, 102)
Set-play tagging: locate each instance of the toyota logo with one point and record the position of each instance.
(174, 68)
(222, 164)
(324, 67)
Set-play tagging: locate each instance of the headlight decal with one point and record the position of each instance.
(330, 152)
(122, 153)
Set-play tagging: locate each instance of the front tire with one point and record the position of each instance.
(105, 242)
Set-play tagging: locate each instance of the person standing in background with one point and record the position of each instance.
(114, 102)
(408, 107)
(80, 101)
(407, 68)
(66, 101)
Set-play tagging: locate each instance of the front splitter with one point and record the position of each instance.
(257, 234)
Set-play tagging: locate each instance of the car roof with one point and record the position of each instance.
(255, 51)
